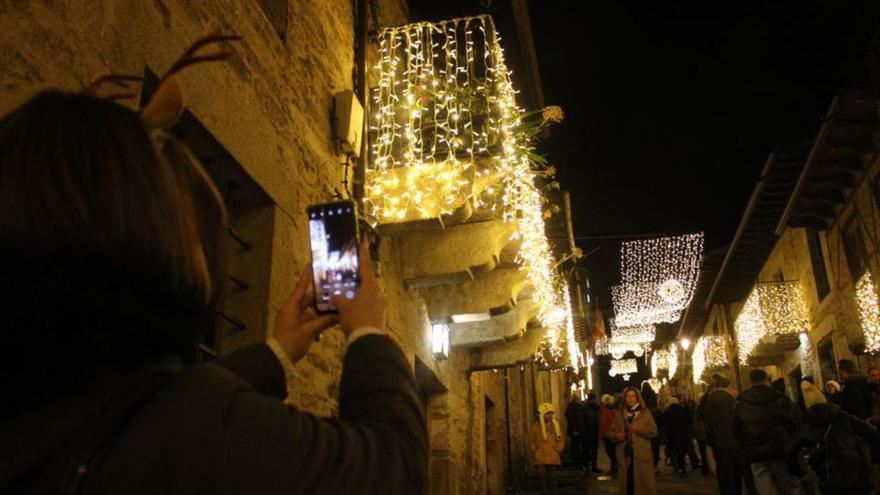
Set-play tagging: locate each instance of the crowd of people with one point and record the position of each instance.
(760, 441)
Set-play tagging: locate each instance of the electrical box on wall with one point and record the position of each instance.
(348, 122)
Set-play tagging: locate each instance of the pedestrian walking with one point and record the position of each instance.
(650, 397)
(731, 469)
(835, 442)
(606, 416)
(699, 429)
(857, 393)
(574, 419)
(632, 429)
(764, 420)
(591, 438)
(547, 443)
(677, 424)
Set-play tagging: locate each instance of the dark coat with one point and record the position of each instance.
(574, 419)
(678, 425)
(591, 419)
(857, 396)
(222, 428)
(763, 420)
(717, 416)
(847, 467)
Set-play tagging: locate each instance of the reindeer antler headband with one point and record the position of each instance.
(166, 105)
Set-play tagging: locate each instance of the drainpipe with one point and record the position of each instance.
(507, 430)
(361, 40)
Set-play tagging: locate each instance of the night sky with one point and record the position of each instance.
(673, 106)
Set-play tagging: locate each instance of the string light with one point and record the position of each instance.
(600, 347)
(638, 334)
(869, 311)
(772, 308)
(447, 131)
(658, 279)
(709, 352)
(664, 359)
(623, 367)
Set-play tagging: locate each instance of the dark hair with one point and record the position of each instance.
(111, 246)
(720, 381)
(847, 365)
(809, 379)
(757, 375)
(591, 396)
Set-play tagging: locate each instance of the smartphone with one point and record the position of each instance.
(333, 235)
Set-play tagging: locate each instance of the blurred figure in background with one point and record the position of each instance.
(591, 438)
(606, 416)
(731, 469)
(547, 443)
(574, 419)
(699, 431)
(650, 397)
(677, 424)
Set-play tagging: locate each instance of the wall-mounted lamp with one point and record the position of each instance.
(440, 341)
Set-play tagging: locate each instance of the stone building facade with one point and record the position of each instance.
(813, 219)
(261, 124)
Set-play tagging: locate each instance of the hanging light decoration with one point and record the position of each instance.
(658, 279)
(447, 132)
(664, 359)
(869, 311)
(625, 367)
(600, 347)
(709, 352)
(772, 308)
(638, 334)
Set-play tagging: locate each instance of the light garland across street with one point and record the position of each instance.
(625, 367)
(658, 277)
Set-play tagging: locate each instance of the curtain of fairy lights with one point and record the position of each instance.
(638, 334)
(772, 308)
(664, 359)
(445, 132)
(710, 352)
(869, 311)
(625, 367)
(658, 279)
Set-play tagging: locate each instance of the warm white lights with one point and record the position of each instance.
(623, 367)
(440, 341)
(447, 133)
(709, 352)
(639, 334)
(772, 308)
(869, 311)
(685, 343)
(664, 359)
(658, 279)
(470, 317)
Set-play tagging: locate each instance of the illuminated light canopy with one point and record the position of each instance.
(600, 347)
(664, 359)
(772, 308)
(658, 279)
(623, 367)
(639, 334)
(446, 132)
(869, 311)
(709, 352)
(619, 349)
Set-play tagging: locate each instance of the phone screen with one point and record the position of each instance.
(333, 237)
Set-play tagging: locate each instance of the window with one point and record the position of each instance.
(817, 260)
(276, 12)
(853, 246)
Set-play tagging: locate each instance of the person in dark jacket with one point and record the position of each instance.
(839, 464)
(606, 416)
(699, 430)
(857, 396)
(574, 419)
(677, 424)
(591, 435)
(731, 469)
(764, 419)
(114, 246)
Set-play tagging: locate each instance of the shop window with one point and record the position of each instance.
(853, 246)
(817, 260)
(276, 12)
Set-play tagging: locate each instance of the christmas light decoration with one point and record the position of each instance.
(447, 132)
(772, 308)
(664, 359)
(600, 347)
(638, 334)
(869, 311)
(623, 367)
(709, 352)
(619, 349)
(654, 383)
(659, 277)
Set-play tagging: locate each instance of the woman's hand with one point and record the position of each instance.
(632, 428)
(296, 327)
(619, 437)
(367, 309)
